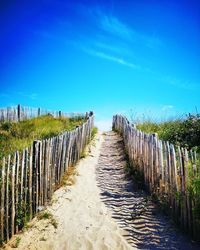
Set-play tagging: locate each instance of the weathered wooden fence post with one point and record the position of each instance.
(19, 112)
(39, 112)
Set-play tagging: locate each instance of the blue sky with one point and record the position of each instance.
(110, 56)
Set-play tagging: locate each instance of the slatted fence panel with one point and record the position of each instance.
(20, 113)
(168, 172)
(29, 178)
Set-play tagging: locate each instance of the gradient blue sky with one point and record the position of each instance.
(109, 56)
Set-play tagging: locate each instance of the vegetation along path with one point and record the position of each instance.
(101, 210)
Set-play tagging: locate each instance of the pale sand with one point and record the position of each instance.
(84, 222)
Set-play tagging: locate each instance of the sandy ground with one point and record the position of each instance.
(144, 226)
(102, 210)
(84, 222)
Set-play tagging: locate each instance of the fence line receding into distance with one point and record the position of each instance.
(29, 178)
(169, 172)
(20, 113)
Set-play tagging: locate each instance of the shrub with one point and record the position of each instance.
(184, 132)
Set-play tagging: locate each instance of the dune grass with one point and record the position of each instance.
(16, 136)
(183, 131)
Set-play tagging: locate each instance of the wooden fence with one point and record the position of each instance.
(20, 113)
(29, 178)
(171, 173)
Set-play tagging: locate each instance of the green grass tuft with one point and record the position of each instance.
(17, 136)
(44, 215)
(94, 132)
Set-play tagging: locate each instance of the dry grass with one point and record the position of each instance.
(46, 215)
(69, 177)
(15, 242)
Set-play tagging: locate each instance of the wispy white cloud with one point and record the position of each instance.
(115, 48)
(111, 24)
(108, 46)
(112, 58)
(167, 107)
(115, 26)
(162, 78)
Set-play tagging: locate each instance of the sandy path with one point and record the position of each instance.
(145, 226)
(84, 222)
(103, 210)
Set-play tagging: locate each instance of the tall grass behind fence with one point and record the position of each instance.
(29, 178)
(20, 113)
(171, 173)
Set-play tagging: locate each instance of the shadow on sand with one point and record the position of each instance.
(145, 226)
